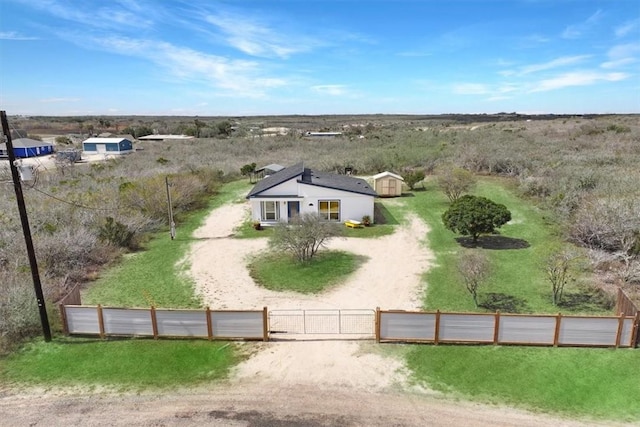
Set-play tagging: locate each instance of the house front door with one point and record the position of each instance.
(293, 209)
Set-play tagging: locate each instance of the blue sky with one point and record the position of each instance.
(197, 57)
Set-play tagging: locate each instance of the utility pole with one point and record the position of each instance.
(172, 224)
(44, 320)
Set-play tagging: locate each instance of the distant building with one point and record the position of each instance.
(163, 137)
(324, 134)
(107, 146)
(26, 147)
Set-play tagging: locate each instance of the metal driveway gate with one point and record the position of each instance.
(323, 321)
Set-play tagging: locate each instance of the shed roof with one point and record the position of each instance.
(309, 177)
(104, 140)
(272, 167)
(385, 174)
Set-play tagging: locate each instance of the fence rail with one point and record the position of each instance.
(496, 328)
(152, 322)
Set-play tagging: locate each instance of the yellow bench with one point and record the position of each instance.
(352, 223)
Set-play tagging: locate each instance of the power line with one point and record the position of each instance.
(74, 204)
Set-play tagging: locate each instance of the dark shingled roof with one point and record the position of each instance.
(319, 179)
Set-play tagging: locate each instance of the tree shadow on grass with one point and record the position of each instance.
(493, 242)
(587, 299)
(503, 302)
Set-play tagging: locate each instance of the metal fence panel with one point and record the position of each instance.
(407, 326)
(466, 327)
(626, 337)
(121, 321)
(182, 323)
(588, 331)
(527, 329)
(82, 320)
(237, 324)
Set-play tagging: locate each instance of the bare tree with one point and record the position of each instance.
(557, 267)
(474, 268)
(455, 182)
(304, 236)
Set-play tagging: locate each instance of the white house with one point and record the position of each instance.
(296, 190)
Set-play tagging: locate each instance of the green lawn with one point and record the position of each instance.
(517, 282)
(153, 276)
(283, 273)
(600, 383)
(122, 364)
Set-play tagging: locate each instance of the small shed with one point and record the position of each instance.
(388, 184)
(27, 147)
(107, 146)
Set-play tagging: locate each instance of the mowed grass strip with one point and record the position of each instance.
(155, 276)
(131, 364)
(598, 383)
(280, 272)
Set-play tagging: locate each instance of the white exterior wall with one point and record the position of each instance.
(352, 205)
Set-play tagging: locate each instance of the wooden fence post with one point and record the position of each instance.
(619, 331)
(100, 321)
(63, 315)
(154, 323)
(556, 335)
(436, 335)
(265, 324)
(377, 325)
(636, 330)
(209, 325)
(496, 328)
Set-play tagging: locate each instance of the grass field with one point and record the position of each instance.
(131, 364)
(600, 383)
(517, 282)
(326, 269)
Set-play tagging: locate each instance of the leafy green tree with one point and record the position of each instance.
(455, 182)
(304, 236)
(248, 169)
(474, 215)
(474, 268)
(412, 177)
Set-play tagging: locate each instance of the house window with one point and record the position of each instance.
(270, 211)
(329, 209)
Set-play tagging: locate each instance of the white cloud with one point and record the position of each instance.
(58, 100)
(13, 35)
(556, 63)
(470, 89)
(579, 78)
(237, 77)
(258, 38)
(575, 31)
(627, 28)
(333, 90)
